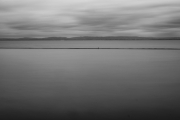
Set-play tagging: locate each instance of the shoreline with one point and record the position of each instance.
(94, 48)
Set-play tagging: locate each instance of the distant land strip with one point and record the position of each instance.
(93, 48)
(91, 38)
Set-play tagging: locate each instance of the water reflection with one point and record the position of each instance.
(92, 44)
(89, 84)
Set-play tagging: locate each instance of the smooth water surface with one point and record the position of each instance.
(89, 84)
(92, 44)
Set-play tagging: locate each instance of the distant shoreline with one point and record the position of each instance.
(84, 38)
(96, 40)
(96, 48)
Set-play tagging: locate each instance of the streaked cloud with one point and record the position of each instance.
(43, 18)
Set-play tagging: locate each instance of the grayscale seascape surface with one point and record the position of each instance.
(89, 59)
(92, 44)
(90, 84)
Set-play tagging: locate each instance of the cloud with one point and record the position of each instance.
(172, 23)
(39, 18)
(47, 24)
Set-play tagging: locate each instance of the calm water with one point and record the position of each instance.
(89, 84)
(93, 43)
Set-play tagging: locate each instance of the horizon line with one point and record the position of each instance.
(91, 36)
(93, 48)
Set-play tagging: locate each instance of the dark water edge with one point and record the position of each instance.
(160, 97)
(92, 44)
(100, 48)
(154, 114)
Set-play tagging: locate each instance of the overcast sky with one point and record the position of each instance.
(47, 18)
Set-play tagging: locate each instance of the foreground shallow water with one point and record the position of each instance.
(89, 84)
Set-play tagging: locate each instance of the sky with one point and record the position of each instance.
(69, 18)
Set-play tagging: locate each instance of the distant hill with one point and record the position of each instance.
(93, 38)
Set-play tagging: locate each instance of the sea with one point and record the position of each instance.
(142, 83)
